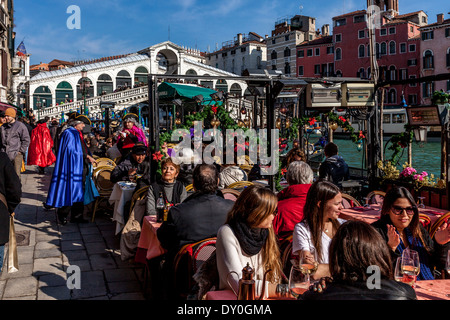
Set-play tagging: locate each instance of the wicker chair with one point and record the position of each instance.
(231, 194)
(102, 180)
(187, 261)
(425, 220)
(348, 201)
(240, 184)
(438, 223)
(101, 162)
(375, 197)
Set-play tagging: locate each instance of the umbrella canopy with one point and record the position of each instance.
(177, 90)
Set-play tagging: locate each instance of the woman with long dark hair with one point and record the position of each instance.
(248, 237)
(400, 227)
(312, 236)
(360, 267)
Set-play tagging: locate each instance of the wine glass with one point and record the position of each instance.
(409, 271)
(298, 281)
(420, 203)
(307, 265)
(398, 272)
(414, 256)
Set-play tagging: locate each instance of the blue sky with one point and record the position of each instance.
(113, 27)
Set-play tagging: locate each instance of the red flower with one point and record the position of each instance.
(361, 135)
(312, 121)
(342, 119)
(157, 156)
(214, 109)
(283, 171)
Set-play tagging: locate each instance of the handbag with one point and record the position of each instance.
(90, 190)
(13, 259)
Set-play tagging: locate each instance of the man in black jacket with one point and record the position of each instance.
(10, 194)
(198, 217)
(334, 168)
(134, 164)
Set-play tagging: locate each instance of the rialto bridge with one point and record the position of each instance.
(124, 81)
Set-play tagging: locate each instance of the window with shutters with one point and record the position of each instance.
(428, 61)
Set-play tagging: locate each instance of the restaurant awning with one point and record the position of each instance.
(4, 106)
(170, 91)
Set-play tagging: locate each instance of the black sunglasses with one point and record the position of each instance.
(398, 210)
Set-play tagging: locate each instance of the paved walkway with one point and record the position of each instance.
(46, 249)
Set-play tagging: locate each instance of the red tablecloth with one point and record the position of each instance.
(425, 290)
(373, 214)
(433, 289)
(149, 246)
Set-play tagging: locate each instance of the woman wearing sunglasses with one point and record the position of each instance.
(400, 227)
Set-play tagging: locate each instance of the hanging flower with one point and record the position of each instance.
(312, 121)
(157, 156)
(342, 119)
(361, 135)
(214, 109)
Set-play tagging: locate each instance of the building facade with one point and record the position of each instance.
(435, 55)
(7, 47)
(244, 52)
(281, 45)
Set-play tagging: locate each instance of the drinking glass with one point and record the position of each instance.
(307, 265)
(414, 256)
(398, 272)
(409, 271)
(298, 281)
(420, 203)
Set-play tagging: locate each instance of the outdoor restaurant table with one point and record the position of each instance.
(425, 290)
(372, 214)
(433, 289)
(149, 246)
(121, 194)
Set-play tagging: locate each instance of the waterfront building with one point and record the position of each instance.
(435, 55)
(7, 66)
(287, 34)
(244, 52)
(316, 58)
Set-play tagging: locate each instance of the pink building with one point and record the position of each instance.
(435, 55)
(316, 58)
(397, 51)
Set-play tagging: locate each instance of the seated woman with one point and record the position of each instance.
(400, 227)
(173, 191)
(129, 134)
(291, 200)
(312, 236)
(248, 237)
(355, 248)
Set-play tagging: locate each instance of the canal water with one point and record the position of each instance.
(425, 156)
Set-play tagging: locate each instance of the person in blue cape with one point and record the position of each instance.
(67, 187)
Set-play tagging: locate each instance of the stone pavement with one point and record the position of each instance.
(46, 249)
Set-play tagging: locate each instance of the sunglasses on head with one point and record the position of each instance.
(398, 210)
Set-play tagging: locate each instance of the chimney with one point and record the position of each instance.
(239, 38)
(440, 18)
(326, 30)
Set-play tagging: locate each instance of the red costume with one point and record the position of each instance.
(290, 209)
(40, 150)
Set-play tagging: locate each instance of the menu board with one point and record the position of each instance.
(423, 116)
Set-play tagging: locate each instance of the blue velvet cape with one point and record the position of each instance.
(66, 186)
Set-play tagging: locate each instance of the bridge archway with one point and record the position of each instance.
(42, 97)
(63, 92)
(141, 76)
(167, 60)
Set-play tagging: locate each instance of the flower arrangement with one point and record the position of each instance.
(409, 175)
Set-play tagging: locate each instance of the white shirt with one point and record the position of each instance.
(302, 240)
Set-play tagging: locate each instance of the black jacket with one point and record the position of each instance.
(198, 217)
(11, 188)
(120, 172)
(334, 169)
(389, 290)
